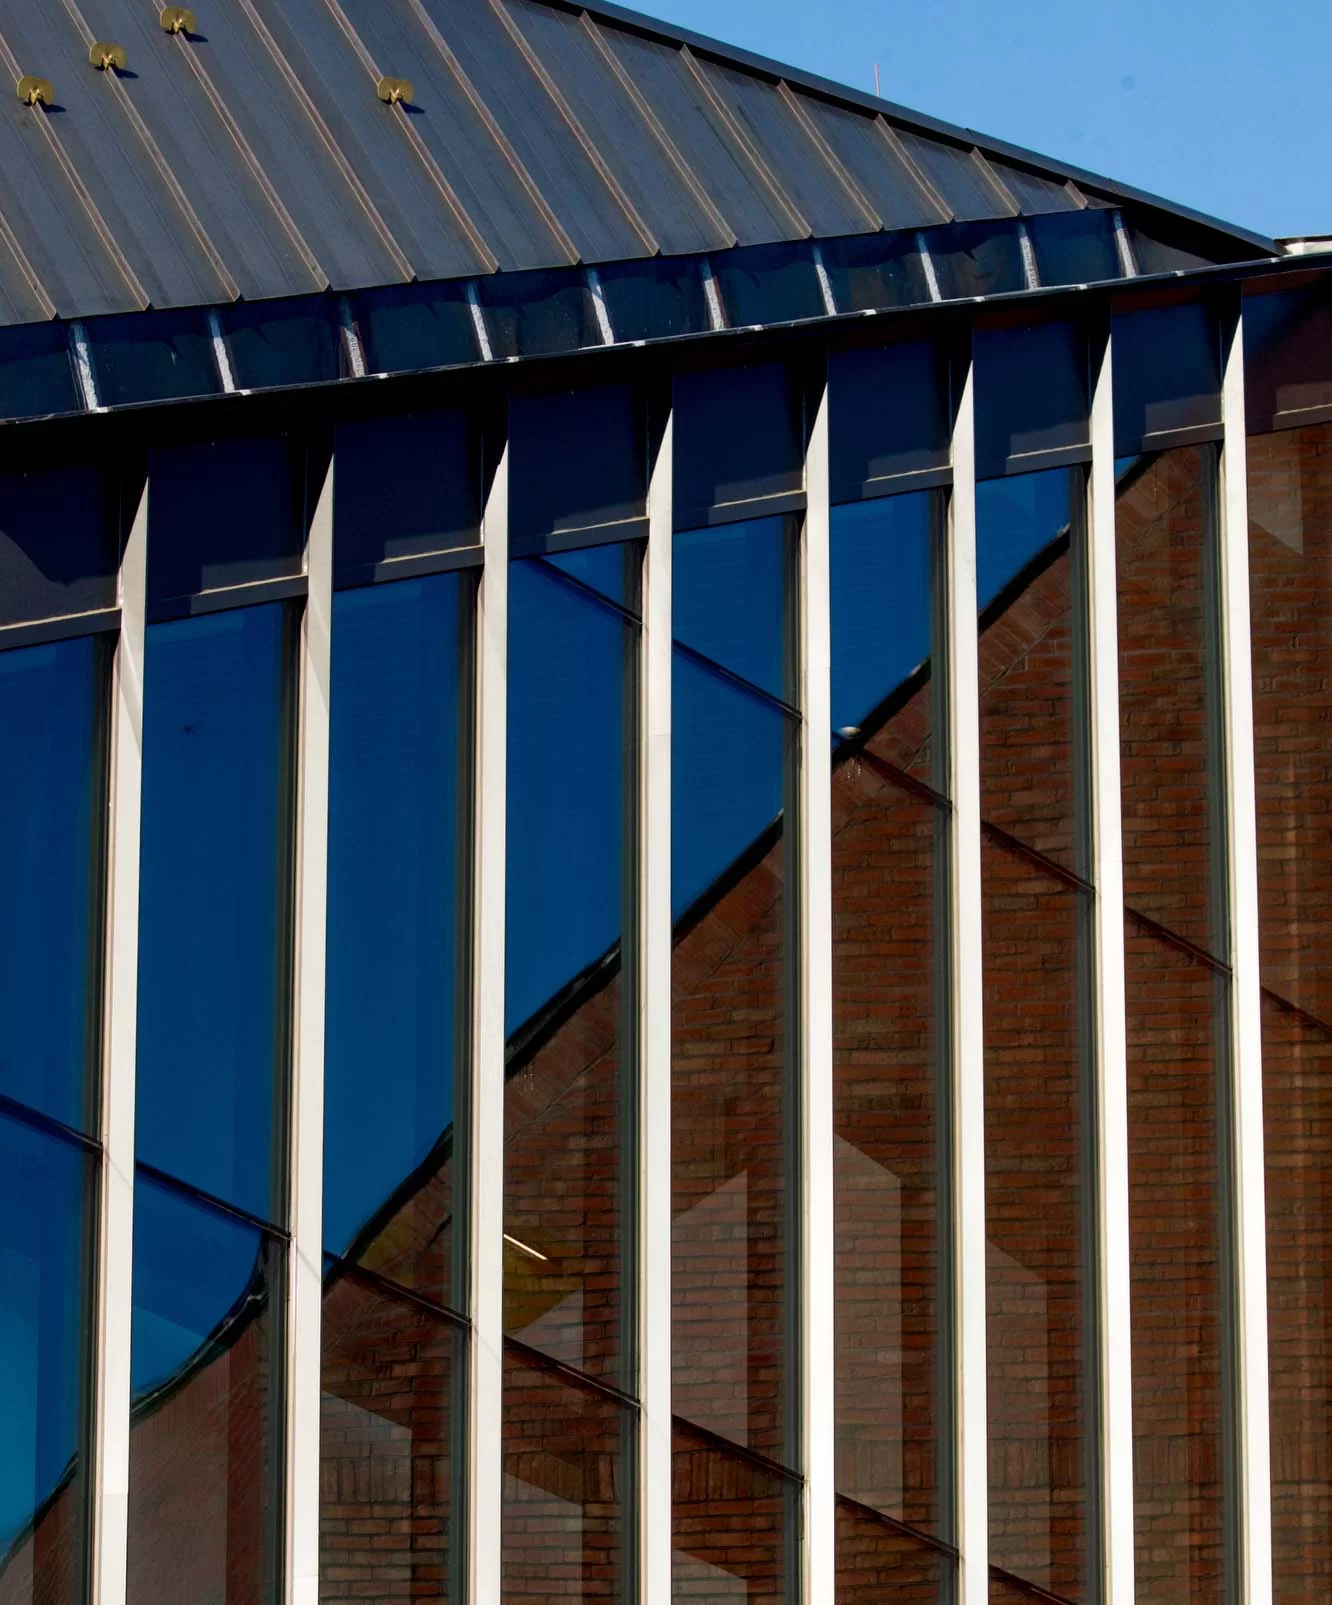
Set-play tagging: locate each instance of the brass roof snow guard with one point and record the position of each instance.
(32, 90)
(394, 91)
(104, 55)
(177, 19)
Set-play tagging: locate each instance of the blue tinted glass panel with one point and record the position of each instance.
(651, 300)
(1287, 357)
(223, 512)
(52, 790)
(213, 901)
(612, 570)
(737, 436)
(888, 414)
(395, 870)
(726, 777)
(59, 543)
(206, 1368)
(882, 578)
(578, 458)
(152, 356)
(47, 1186)
(529, 314)
(36, 374)
(768, 284)
(412, 326)
(976, 259)
(570, 835)
(1031, 395)
(875, 272)
(1075, 247)
(404, 487)
(1017, 521)
(1181, 253)
(729, 598)
(283, 342)
(1167, 375)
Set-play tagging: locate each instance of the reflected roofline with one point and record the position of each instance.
(830, 89)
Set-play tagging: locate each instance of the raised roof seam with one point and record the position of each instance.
(699, 194)
(917, 172)
(159, 161)
(992, 178)
(566, 111)
(839, 172)
(747, 148)
(501, 139)
(67, 167)
(402, 120)
(10, 241)
(325, 135)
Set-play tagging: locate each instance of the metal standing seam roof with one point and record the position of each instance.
(264, 151)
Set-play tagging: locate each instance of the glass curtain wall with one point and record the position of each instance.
(1288, 352)
(891, 1059)
(59, 550)
(397, 1010)
(213, 1059)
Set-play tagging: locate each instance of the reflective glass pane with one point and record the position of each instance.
(1034, 1007)
(1168, 691)
(398, 767)
(1287, 356)
(887, 1084)
(206, 1428)
(404, 487)
(737, 437)
(567, 1449)
(223, 512)
(612, 570)
(59, 542)
(888, 414)
(152, 356)
(47, 1193)
(732, 1526)
(878, 1563)
(213, 903)
(577, 459)
(53, 704)
(1075, 247)
(875, 272)
(653, 299)
(768, 284)
(36, 374)
(389, 1378)
(730, 1110)
(531, 314)
(882, 582)
(1167, 374)
(570, 839)
(1032, 660)
(1174, 1004)
(976, 259)
(1031, 395)
(729, 598)
(411, 326)
(294, 342)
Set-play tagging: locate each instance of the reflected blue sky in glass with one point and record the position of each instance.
(600, 568)
(728, 598)
(727, 772)
(42, 1317)
(881, 580)
(192, 1266)
(210, 891)
(566, 759)
(50, 705)
(1015, 519)
(392, 889)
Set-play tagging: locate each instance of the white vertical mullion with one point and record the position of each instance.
(116, 1236)
(817, 1358)
(967, 1183)
(654, 1106)
(1110, 1092)
(1248, 1190)
(305, 1265)
(485, 1369)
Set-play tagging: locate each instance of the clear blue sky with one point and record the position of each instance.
(1217, 104)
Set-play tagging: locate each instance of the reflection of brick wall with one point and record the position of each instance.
(1290, 558)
